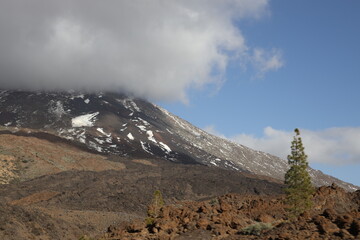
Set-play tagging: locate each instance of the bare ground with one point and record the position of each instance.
(69, 204)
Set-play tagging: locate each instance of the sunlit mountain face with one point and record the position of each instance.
(115, 124)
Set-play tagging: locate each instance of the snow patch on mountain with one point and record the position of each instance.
(86, 120)
(145, 146)
(141, 127)
(99, 140)
(165, 147)
(143, 121)
(101, 130)
(151, 136)
(81, 136)
(77, 96)
(130, 136)
(215, 161)
(95, 146)
(133, 105)
(129, 104)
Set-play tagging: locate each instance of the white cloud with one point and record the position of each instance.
(212, 130)
(265, 61)
(155, 49)
(338, 146)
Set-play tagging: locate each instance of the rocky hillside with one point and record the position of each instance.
(336, 215)
(86, 200)
(24, 156)
(118, 125)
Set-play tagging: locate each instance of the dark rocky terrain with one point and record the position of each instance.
(336, 215)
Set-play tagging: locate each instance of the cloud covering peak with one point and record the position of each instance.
(154, 49)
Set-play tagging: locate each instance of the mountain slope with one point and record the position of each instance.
(25, 156)
(69, 204)
(116, 124)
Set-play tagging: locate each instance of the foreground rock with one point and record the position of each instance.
(336, 215)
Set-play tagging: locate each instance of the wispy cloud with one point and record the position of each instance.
(266, 60)
(153, 49)
(212, 130)
(336, 146)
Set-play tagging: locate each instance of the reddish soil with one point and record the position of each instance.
(26, 157)
(336, 215)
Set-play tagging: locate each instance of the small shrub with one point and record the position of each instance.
(214, 201)
(149, 221)
(256, 228)
(85, 237)
(156, 204)
(154, 210)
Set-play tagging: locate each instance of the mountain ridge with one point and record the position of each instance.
(111, 123)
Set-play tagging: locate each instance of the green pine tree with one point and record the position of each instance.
(154, 209)
(156, 204)
(299, 190)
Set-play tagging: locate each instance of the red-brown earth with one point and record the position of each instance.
(335, 215)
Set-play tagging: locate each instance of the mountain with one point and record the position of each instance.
(118, 125)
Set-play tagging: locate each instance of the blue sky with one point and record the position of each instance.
(316, 89)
